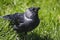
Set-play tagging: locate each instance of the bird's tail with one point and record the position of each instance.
(4, 17)
(1, 17)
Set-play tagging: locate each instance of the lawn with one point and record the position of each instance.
(49, 14)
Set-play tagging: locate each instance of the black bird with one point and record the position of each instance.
(24, 22)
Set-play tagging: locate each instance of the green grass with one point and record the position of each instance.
(49, 14)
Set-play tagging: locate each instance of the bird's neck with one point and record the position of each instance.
(28, 14)
(26, 18)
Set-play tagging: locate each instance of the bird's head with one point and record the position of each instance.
(32, 11)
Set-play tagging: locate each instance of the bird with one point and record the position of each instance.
(24, 22)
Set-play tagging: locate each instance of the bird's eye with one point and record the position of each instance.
(33, 9)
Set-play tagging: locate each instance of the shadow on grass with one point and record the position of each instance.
(34, 36)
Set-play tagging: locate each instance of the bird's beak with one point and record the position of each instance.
(38, 8)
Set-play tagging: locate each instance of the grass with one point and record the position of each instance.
(49, 14)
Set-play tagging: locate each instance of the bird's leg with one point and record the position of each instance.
(25, 36)
(25, 33)
(22, 36)
(17, 38)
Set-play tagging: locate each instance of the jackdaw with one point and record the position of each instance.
(24, 22)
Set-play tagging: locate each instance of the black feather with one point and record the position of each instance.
(26, 21)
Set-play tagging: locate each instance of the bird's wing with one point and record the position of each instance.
(15, 18)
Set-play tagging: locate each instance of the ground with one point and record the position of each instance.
(49, 14)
